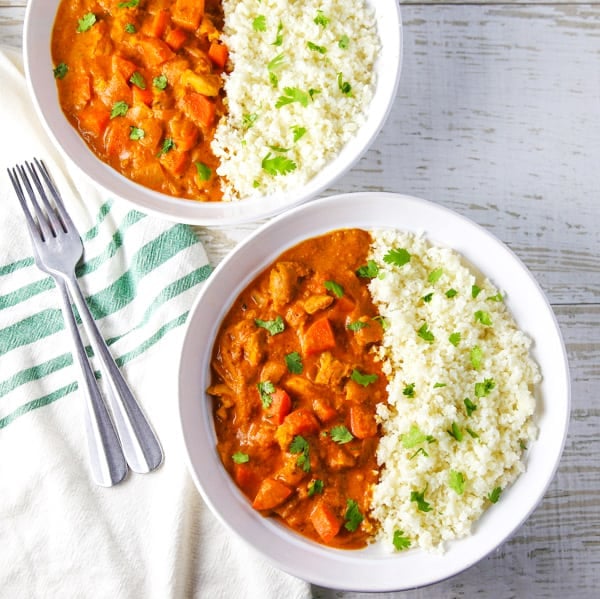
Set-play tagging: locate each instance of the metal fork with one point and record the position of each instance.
(58, 249)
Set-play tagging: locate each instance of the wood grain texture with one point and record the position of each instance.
(498, 117)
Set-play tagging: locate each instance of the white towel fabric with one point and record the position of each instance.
(60, 534)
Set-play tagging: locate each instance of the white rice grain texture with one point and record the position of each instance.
(313, 49)
(431, 441)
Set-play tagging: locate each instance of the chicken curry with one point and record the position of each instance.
(141, 82)
(295, 390)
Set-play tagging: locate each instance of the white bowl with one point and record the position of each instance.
(372, 569)
(39, 19)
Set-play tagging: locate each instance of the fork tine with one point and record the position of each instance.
(43, 226)
(60, 207)
(31, 224)
(55, 222)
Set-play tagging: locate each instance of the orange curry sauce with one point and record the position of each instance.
(141, 82)
(295, 390)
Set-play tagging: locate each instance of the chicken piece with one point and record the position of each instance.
(273, 371)
(226, 400)
(338, 458)
(283, 282)
(330, 371)
(356, 393)
(317, 302)
(290, 473)
(372, 333)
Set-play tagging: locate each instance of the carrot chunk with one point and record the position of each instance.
(142, 96)
(281, 405)
(175, 161)
(246, 478)
(199, 109)
(176, 38)
(188, 13)
(362, 422)
(301, 422)
(154, 52)
(123, 66)
(158, 24)
(271, 494)
(93, 120)
(318, 337)
(218, 53)
(326, 523)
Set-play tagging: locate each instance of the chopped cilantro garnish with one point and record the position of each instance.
(426, 334)
(204, 173)
(352, 516)
(455, 432)
(60, 70)
(451, 293)
(439, 385)
(299, 445)
(321, 19)
(344, 86)
(400, 541)
(409, 390)
(475, 291)
(384, 322)
(273, 326)
(427, 298)
(357, 325)
(522, 445)
(344, 42)
(495, 298)
(130, 28)
(279, 36)
(298, 132)
(168, 145)
(135, 133)
(260, 23)
(456, 481)
(363, 379)
(119, 109)
(397, 257)
(249, 119)
(86, 22)
(495, 495)
(415, 437)
(476, 357)
(469, 406)
(316, 48)
(312, 92)
(293, 361)
(277, 165)
(422, 505)
(276, 63)
(435, 275)
(369, 271)
(160, 82)
(240, 458)
(138, 80)
(484, 388)
(483, 317)
(472, 433)
(129, 4)
(265, 390)
(334, 287)
(292, 94)
(454, 339)
(420, 450)
(315, 486)
(340, 434)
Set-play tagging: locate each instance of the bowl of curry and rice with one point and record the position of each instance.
(373, 392)
(218, 111)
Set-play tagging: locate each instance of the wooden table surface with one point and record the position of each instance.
(498, 118)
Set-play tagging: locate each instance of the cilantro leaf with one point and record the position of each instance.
(130, 28)
(60, 70)
(260, 23)
(279, 36)
(495, 495)
(128, 4)
(439, 385)
(249, 119)
(422, 505)
(451, 293)
(357, 325)
(344, 42)
(86, 22)
(363, 379)
(321, 19)
(168, 145)
(204, 173)
(434, 275)
(469, 406)
(495, 298)
(352, 516)
(315, 48)
(483, 389)
(160, 82)
(315, 486)
(299, 445)
(415, 437)
(265, 390)
(344, 86)
(420, 450)
(472, 433)
(276, 63)
(340, 434)
(334, 287)
(119, 109)
(409, 390)
(240, 458)
(292, 94)
(476, 357)
(427, 298)
(369, 271)
(278, 165)
(455, 432)
(293, 361)
(298, 132)
(426, 334)
(135, 133)
(397, 257)
(400, 541)
(475, 291)
(138, 80)
(483, 317)
(384, 322)
(456, 481)
(272, 326)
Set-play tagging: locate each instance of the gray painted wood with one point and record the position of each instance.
(498, 117)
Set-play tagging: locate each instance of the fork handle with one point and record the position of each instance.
(107, 462)
(140, 445)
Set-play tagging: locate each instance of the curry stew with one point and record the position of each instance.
(295, 390)
(141, 82)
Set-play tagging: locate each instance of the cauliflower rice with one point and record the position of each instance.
(318, 53)
(460, 394)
